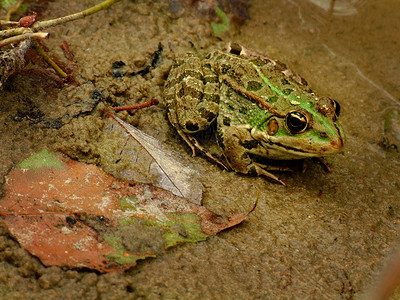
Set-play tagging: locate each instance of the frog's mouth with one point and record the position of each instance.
(287, 148)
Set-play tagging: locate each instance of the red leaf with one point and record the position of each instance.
(73, 214)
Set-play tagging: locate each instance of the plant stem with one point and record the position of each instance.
(4, 23)
(87, 12)
(49, 60)
(18, 38)
(13, 31)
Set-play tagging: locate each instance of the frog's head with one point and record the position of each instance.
(303, 129)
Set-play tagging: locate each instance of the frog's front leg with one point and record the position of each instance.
(236, 144)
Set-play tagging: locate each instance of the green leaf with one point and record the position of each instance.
(41, 159)
(219, 28)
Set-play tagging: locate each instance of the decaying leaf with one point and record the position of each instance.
(73, 214)
(171, 174)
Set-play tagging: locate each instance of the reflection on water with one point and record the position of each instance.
(339, 7)
(359, 34)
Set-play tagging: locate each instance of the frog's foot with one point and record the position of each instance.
(260, 169)
(189, 140)
(203, 151)
(194, 144)
(320, 160)
(323, 162)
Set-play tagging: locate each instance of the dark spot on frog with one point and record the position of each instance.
(250, 144)
(284, 81)
(207, 66)
(225, 68)
(206, 114)
(229, 93)
(118, 69)
(210, 78)
(287, 92)
(211, 98)
(181, 92)
(190, 126)
(243, 110)
(187, 89)
(272, 99)
(253, 86)
(226, 121)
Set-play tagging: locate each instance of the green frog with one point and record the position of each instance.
(262, 109)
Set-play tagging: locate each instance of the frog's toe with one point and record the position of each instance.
(256, 169)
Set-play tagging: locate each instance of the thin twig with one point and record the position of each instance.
(87, 12)
(49, 60)
(152, 101)
(67, 52)
(18, 38)
(13, 31)
(4, 23)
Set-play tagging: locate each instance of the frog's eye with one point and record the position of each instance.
(296, 121)
(336, 105)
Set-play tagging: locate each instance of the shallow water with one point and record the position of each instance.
(322, 236)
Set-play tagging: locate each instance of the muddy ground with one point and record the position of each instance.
(324, 235)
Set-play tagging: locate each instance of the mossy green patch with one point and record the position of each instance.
(121, 256)
(184, 228)
(128, 203)
(127, 221)
(41, 159)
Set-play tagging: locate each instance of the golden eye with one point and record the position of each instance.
(296, 122)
